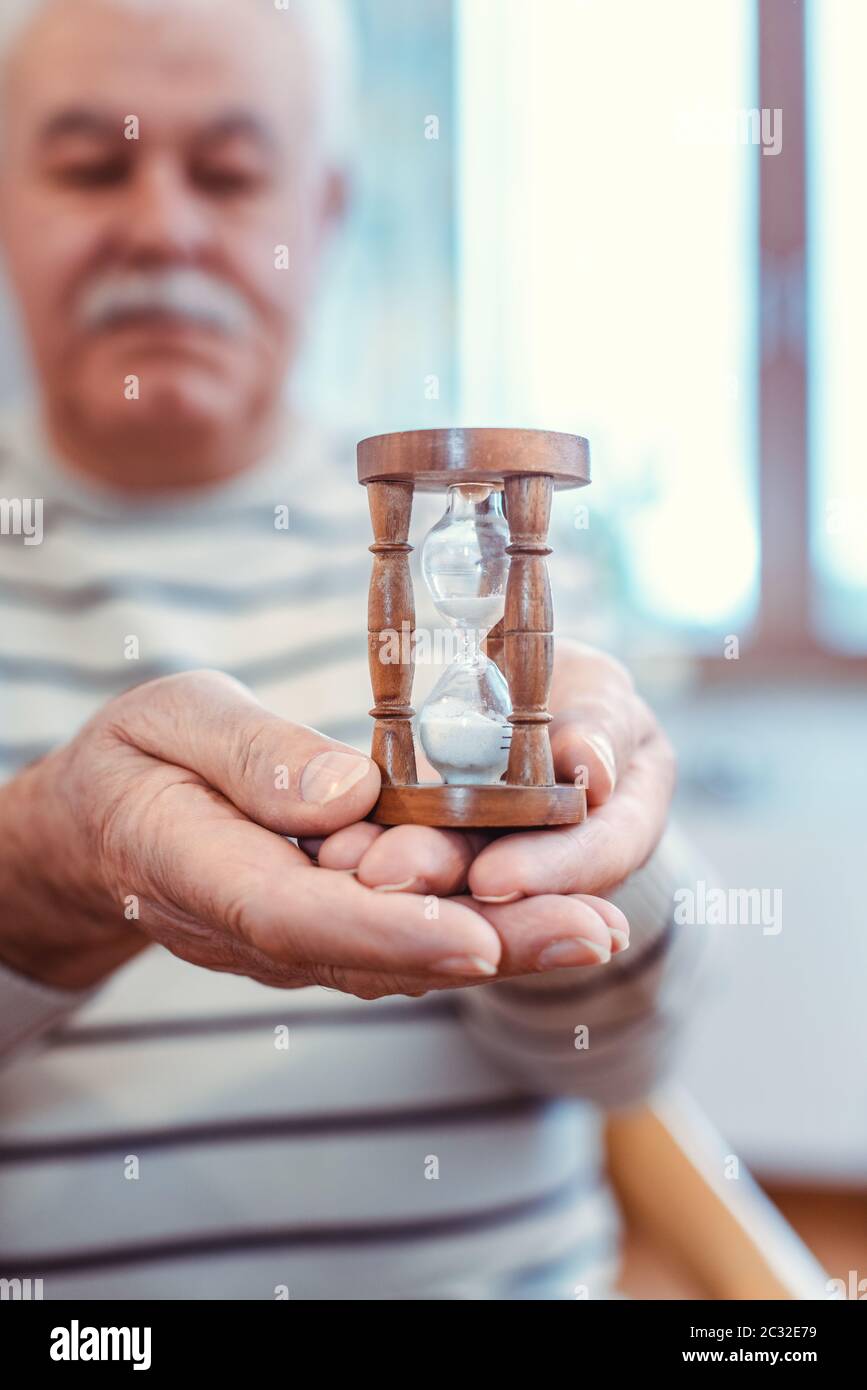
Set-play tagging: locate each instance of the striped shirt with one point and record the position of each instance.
(185, 1134)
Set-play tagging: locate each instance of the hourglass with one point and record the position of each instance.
(484, 727)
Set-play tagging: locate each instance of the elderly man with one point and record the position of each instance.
(173, 1127)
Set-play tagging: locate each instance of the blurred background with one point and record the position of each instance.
(646, 224)
(566, 219)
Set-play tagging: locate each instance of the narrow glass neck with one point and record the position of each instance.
(474, 502)
(469, 645)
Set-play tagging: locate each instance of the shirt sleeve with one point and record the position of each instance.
(28, 1008)
(605, 1033)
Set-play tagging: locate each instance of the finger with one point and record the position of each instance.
(529, 930)
(578, 666)
(593, 857)
(346, 848)
(594, 738)
(553, 932)
(284, 776)
(405, 858)
(419, 859)
(221, 870)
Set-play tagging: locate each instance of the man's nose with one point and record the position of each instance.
(164, 218)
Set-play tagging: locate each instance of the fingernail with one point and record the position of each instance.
(619, 940)
(394, 887)
(506, 898)
(574, 951)
(604, 750)
(329, 775)
(464, 965)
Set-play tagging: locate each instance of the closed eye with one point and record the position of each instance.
(227, 181)
(91, 173)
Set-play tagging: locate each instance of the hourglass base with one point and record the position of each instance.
(498, 807)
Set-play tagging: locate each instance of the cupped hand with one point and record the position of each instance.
(602, 733)
(167, 818)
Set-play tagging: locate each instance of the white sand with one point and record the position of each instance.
(465, 746)
(478, 612)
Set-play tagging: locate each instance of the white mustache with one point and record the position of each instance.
(181, 292)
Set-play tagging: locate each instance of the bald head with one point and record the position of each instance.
(168, 176)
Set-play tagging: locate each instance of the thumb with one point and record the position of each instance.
(286, 777)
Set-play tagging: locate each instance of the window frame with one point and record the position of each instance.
(783, 640)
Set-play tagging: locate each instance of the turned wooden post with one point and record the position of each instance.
(391, 610)
(494, 645)
(529, 624)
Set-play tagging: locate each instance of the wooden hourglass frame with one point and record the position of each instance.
(529, 465)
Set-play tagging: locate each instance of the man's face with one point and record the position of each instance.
(155, 257)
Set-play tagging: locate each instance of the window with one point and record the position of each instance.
(837, 229)
(607, 272)
(382, 354)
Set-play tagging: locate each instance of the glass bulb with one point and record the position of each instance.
(464, 558)
(463, 725)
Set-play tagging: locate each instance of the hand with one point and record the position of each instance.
(173, 803)
(600, 724)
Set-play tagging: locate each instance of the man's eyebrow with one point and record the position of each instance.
(238, 123)
(82, 120)
(79, 120)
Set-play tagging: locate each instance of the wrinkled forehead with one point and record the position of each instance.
(173, 65)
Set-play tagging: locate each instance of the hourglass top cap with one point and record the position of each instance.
(432, 460)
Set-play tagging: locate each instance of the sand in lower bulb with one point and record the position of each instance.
(467, 747)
